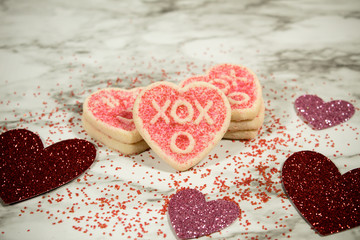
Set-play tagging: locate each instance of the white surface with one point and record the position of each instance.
(53, 54)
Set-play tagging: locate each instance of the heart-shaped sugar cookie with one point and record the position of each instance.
(182, 125)
(329, 201)
(191, 216)
(27, 169)
(109, 111)
(239, 84)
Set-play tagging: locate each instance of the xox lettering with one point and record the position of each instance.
(203, 112)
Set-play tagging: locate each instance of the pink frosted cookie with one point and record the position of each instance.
(107, 116)
(182, 125)
(252, 124)
(112, 143)
(110, 111)
(239, 84)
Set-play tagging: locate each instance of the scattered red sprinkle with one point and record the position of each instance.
(112, 198)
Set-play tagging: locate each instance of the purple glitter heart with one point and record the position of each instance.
(319, 114)
(191, 216)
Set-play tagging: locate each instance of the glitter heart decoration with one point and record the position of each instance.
(107, 117)
(27, 169)
(329, 201)
(191, 216)
(319, 114)
(110, 110)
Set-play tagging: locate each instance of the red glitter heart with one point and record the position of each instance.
(329, 201)
(191, 216)
(27, 169)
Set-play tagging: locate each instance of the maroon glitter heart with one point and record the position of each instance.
(329, 201)
(27, 169)
(191, 216)
(319, 114)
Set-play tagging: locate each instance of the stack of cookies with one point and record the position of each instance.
(243, 90)
(246, 129)
(107, 117)
(181, 123)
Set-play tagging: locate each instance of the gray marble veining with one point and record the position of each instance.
(53, 54)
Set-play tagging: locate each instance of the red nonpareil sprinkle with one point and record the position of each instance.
(108, 192)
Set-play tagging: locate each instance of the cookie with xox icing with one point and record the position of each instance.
(252, 124)
(182, 125)
(239, 84)
(109, 111)
(125, 148)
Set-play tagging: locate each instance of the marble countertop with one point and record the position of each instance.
(53, 54)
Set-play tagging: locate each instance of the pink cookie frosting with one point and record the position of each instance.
(182, 123)
(114, 107)
(239, 84)
(109, 111)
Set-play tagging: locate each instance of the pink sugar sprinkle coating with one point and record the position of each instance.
(160, 132)
(238, 80)
(248, 86)
(108, 105)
